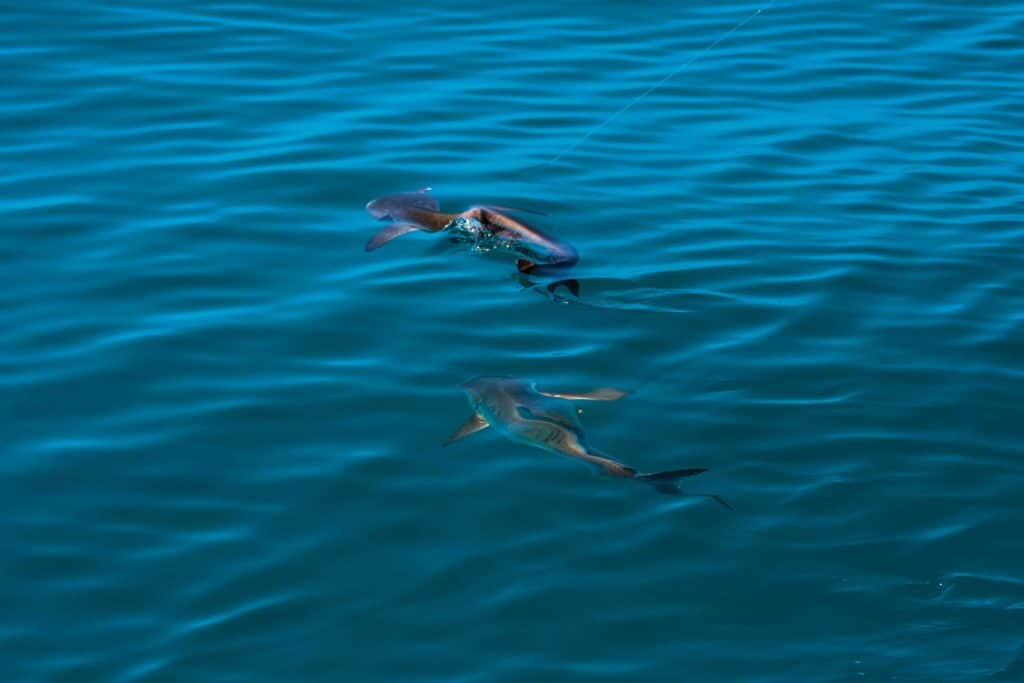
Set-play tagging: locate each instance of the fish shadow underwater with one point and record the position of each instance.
(548, 420)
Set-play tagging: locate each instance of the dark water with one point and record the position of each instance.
(221, 419)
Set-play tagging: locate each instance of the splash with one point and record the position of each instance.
(466, 230)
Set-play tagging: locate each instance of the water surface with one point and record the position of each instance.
(221, 419)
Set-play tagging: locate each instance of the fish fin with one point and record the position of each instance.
(672, 475)
(515, 209)
(602, 394)
(668, 482)
(524, 265)
(389, 233)
(472, 425)
(665, 482)
(572, 284)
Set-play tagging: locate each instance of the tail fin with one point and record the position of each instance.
(668, 482)
(672, 475)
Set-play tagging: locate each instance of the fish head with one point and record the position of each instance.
(394, 205)
(488, 391)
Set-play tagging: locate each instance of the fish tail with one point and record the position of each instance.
(668, 482)
(672, 476)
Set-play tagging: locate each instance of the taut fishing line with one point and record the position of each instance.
(678, 70)
(656, 374)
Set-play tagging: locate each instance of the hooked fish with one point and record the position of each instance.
(537, 252)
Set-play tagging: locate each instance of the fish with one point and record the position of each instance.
(549, 420)
(537, 252)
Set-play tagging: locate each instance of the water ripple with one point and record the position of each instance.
(222, 418)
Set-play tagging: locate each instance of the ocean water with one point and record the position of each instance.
(221, 420)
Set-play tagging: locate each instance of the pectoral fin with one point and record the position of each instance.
(389, 233)
(474, 424)
(602, 394)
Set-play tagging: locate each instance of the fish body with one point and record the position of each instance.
(519, 411)
(487, 226)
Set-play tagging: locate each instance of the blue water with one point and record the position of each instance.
(221, 420)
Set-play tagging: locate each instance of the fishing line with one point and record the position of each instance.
(678, 70)
(664, 373)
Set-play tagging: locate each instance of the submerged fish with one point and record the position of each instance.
(549, 420)
(488, 227)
